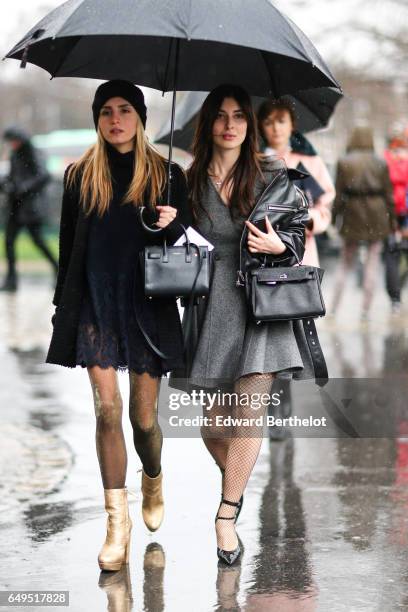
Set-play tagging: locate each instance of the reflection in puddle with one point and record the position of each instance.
(118, 586)
(228, 585)
(118, 589)
(282, 578)
(153, 565)
(362, 481)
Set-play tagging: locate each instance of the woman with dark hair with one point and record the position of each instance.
(277, 126)
(365, 202)
(234, 354)
(100, 304)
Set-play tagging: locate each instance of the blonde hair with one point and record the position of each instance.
(96, 180)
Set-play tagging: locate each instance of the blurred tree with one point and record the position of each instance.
(366, 45)
(357, 35)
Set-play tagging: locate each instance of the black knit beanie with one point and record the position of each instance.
(122, 89)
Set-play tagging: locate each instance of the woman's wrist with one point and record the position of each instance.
(277, 249)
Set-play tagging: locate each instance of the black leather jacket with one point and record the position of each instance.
(287, 210)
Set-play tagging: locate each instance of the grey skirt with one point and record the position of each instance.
(230, 344)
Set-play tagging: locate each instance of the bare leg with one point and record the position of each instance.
(110, 441)
(147, 435)
(370, 273)
(347, 259)
(243, 451)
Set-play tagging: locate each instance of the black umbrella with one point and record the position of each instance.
(313, 109)
(187, 45)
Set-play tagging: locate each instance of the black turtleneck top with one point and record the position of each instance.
(108, 334)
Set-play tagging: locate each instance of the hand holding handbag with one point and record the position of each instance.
(175, 271)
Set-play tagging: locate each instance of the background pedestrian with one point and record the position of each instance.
(277, 124)
(26, 207)
(365, 203)
(396, 245)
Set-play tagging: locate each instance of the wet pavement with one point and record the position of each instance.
(325, 519)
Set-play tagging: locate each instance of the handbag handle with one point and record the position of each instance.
(298, 260)
(145, 226)
(159, 229)
(187, 244)
(240, 282)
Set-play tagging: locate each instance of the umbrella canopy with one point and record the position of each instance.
(313, 109)
(215, 41)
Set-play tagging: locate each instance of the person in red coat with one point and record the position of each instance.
(397, 246)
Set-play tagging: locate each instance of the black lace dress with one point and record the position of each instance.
(108, 334)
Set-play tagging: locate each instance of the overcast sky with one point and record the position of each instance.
(16, 16)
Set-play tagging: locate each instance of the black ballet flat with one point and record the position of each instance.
(228, 556)
(241, 500)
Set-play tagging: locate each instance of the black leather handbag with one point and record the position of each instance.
(175, 271)
(284, 294)
(281, 293)
(276, 288)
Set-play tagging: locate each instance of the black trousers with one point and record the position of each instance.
(13, 228)
(393, 280)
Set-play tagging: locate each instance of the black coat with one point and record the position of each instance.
(25, 184)
(72, 276)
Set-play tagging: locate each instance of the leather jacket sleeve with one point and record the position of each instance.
(294, 237)
(291, 228)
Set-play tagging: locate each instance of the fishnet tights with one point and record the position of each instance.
(110, 441)
(237, 450)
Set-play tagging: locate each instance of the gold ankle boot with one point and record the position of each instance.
(116, 549)
(152, 505)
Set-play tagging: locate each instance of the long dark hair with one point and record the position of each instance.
(245, 171)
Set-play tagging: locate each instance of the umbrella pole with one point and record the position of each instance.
(173, 112)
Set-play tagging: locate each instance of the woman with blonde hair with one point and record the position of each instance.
(102, 317)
